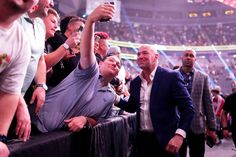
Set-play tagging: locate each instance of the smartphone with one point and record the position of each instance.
(107, 19)
(80, 29)
(97, 38)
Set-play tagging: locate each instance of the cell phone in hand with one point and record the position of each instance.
(107, 19)
(80, 29)
(210, 141)
(97, 38)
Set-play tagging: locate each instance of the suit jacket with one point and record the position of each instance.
(201, 96)
(167, 93)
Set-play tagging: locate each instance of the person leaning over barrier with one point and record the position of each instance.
(86, 91)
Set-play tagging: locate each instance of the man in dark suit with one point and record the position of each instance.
(155, 95)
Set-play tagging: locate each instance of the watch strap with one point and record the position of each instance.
(44, 86)
(66, 46)
(3, 138)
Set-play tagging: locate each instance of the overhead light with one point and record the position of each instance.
(192, 14)
(206, 14)
(229, 12)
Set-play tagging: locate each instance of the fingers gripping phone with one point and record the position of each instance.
(80, 29)
(107, 19)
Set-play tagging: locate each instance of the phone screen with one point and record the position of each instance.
(107, 19)
(97, 38)
(80, 29)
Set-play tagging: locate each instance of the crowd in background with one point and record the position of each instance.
(94, 77)
(189, 35)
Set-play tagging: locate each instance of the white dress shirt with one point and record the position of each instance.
(145, 93)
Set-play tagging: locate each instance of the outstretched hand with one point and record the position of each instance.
(106, 10)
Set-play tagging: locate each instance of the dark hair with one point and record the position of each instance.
(115, 82)
(75, 19)
(64, 23)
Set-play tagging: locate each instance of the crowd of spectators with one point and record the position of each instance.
(188, 35)
(90, 62)
(208, 63)
(194, 35)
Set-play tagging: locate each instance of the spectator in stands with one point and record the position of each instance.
(114, 50)
(51, 22)
(197, 84)
(35, 30)
(229, 108)
(103, 45)
(218, 103)
(119, 81)
(85, 92)
(190, 35)
(59, 38)
(14, 59)
(154, 95)
(63, 56)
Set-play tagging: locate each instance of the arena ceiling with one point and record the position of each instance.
(163, 11)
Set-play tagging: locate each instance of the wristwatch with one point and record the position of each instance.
(43, 85)
(66, 46)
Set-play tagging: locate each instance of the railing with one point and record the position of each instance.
(113, 137)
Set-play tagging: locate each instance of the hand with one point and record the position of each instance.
(39, 94)
(75, 124)
(213, 135)
(73, 40)
(120, 89)
(96, 46)
(106, 10)
(174, 144)
(68, 55)
(23, 123)
(4, 152)
(226, 134)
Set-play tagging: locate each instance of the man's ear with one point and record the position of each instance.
(156, 56)
(34, 8)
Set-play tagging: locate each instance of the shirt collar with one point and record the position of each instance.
(182, 72)
(151, 75)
